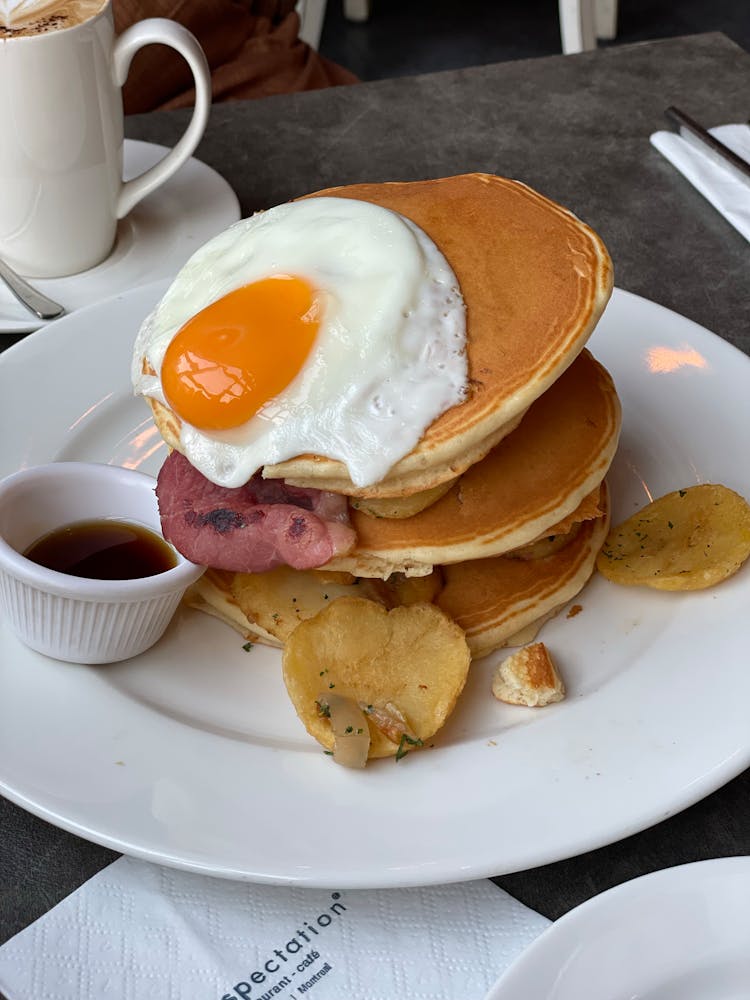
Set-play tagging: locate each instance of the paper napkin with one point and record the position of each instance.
(138, 931)
(727, 194)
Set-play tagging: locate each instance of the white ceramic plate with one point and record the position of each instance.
(191, 755)
(678, 934)
(153, 241)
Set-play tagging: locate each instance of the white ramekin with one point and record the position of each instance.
(67, 617)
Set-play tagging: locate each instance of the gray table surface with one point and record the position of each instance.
(576, 128)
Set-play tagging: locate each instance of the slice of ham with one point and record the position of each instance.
(263, 524)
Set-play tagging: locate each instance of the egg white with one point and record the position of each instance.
(389, 358)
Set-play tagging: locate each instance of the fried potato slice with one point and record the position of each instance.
(410, 660)
(400, 589)
(278, 600)
(546, 546)
(687, 540)
(400, 507)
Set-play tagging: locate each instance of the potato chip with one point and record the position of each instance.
(686, 540)
(407, 665)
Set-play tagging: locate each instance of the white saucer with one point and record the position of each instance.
(678, 934)
(153, 241)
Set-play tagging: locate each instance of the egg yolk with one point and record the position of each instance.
(240, 351)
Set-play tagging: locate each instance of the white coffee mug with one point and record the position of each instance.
(61, 137)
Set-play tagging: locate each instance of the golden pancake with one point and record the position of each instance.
(535, 280)
(493, 600)
(409, 488)
(522, 490)
(497, 601)
(402, 484)
(214, 597)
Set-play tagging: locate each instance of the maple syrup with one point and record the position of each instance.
(103, 549)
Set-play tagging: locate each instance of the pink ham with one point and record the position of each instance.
(263, 524)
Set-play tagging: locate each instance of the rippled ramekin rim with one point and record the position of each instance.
(15, 564)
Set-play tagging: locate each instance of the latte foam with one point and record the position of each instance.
(23, 18)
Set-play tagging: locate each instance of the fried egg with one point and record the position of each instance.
(327, 326)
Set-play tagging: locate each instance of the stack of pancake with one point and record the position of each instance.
(502, 506)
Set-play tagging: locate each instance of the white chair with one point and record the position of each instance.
(583, 21)
(357, 10)
(311, 16)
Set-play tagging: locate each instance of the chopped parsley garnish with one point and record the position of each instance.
(324, 709)
(412, 742)
(247, 647)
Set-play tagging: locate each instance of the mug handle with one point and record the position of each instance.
(165, 32)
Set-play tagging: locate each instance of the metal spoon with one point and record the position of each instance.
(39, 304)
